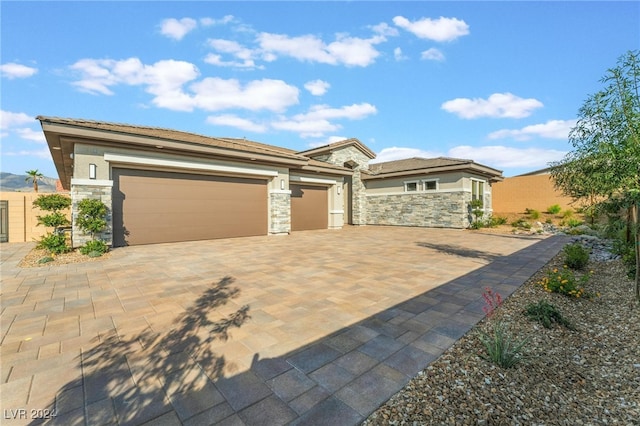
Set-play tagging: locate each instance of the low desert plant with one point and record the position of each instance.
(94, 246)
(554, 209)
(576, 256)
(55, 243)
(497, 220)
(573, 222)
(534, 214)
(492, 300)
(501, 347)
(521, 223)
(567, 213)
(564, 281)
(547, 314)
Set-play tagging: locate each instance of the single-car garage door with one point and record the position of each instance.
(309, 207)
(158, 207)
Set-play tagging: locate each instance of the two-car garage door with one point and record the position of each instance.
(156, 207)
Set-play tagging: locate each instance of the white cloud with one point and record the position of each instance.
(207, 22)
(165, 80)
(346, 50)
(317, 87)
(552, 129)
(432, 54)
(214, 94)
(398, 55)
(12, 119)
(317, 122)
(400, 153)
(12, 70)
(498, 105)
(177, 29)
(245, 55)
(502, 157)
(30, 134)
(384, 29)
(237, 122)
(441, 29)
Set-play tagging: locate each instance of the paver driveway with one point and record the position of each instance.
(317, 327)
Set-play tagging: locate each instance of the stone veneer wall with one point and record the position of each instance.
(280, 212)
(341, 156)
(438, 209)
(100, 192)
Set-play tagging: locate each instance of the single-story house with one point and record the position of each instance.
(165, 185)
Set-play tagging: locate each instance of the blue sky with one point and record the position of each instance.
(497, 82)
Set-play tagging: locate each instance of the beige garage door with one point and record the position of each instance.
(158, 207)
(309, 207)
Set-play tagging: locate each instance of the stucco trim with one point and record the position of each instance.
(177, 164)
(92, 182)
(312, 180)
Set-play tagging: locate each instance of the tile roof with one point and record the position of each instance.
(415, 163)
(176, 135)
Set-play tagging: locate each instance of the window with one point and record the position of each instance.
(411, 186)
(430, 184)
(477, 190)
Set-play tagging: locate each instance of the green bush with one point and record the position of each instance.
(501, 348)
(546, 314)
(521, 223)
(554, 209)
(94, 246)
(564, 281)
(55, 243)
(572, 222)
(576, 256)
(534, 214)
(496, 221)
(567, 213)
(53, 220)
(91, 215)
(45, 259)
(52, 202)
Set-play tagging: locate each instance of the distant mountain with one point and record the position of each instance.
(17, 183)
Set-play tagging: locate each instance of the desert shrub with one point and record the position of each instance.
(45, 259)
(492, 300)
(576, 256)
(534, 214)
(567, 213)
(554, 209)
(94, 246)
(547, 314)
(55, 243)
(564, 281)
(501, 347)
(476, 209)
(497, 221)
(573, 222)
(521, 223)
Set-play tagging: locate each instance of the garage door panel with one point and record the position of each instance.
(153, 207)
(309, 207)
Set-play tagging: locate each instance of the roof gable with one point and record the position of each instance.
(332, 147)
(418, 165)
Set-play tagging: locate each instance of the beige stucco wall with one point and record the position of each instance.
(23, 217)
(446, 182)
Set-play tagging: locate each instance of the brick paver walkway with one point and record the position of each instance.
(315, 328)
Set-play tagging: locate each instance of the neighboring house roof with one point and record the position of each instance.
(62, 133)
(327, 149)
(417, 165)
(544, 171)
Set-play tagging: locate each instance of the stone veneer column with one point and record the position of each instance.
(350, 154)
(100, 190)
(280, 212)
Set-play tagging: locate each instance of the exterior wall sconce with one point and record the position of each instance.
(92, 171)
(282, 184)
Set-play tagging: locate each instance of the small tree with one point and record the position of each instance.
(34, 176)
(91, 219)
(56, 241)
(477, 211)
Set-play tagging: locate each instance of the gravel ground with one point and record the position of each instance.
(590, 376)
(34, 256)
